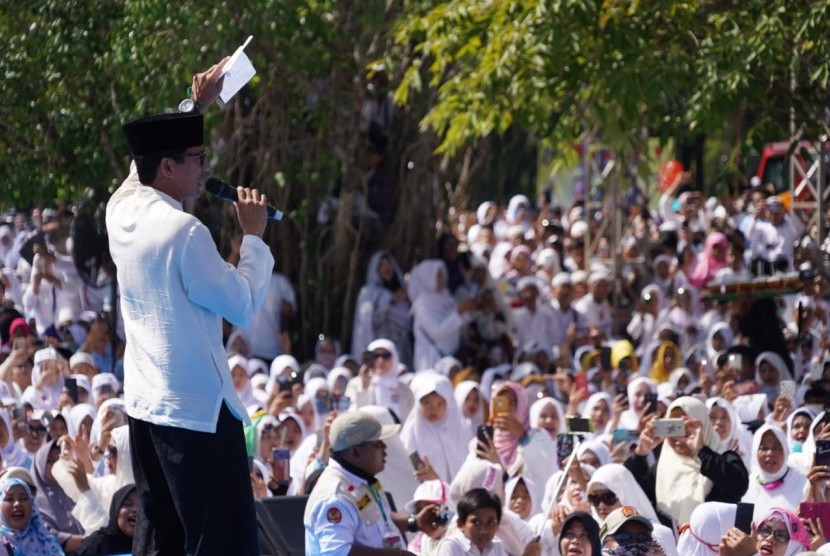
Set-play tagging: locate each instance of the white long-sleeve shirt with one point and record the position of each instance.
(175, 289)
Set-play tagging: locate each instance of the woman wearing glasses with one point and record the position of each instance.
(779, 533)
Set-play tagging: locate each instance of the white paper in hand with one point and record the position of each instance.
(237, 72)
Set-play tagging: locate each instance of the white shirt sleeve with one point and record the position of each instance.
(233, 292)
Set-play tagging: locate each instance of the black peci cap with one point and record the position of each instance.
(167, 132)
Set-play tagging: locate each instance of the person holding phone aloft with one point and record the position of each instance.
(691, 469)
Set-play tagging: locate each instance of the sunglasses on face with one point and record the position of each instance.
(607, 497)
(37, 431)
(624, 538)
(383, 355)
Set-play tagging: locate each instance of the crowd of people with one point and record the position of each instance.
(525, 398)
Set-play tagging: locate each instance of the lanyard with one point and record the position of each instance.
(376, 498)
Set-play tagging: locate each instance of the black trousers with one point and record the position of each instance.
(194, 490)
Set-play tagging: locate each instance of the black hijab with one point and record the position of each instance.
(590, 526)
(110, 539)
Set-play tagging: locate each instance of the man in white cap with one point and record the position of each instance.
(347, 512)
(594, 309)
(533, 321)
(563, 312)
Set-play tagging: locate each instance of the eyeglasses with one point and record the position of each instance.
(37, 431)
(624, 538)
(383, 355)
(202, 157)
(779, 536)
(607, 497)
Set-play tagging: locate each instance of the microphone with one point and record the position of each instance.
(227, 192)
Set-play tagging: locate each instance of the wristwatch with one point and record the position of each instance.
(411, 524)
(188, 105)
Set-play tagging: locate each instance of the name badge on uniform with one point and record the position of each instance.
(392, 540)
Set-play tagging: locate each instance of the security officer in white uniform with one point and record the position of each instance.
(347, 512)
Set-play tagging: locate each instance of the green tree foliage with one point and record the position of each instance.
(567, 68)
(74, 72)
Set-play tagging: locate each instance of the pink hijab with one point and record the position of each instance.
(707, 265)
(505, 442)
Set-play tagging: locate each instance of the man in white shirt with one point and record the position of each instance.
(534, 321)
(594, 309)
(185, 417)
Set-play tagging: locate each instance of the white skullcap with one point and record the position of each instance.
(579, 276)
(561, 279)
(578, 229)
(237, 360)
(597, 276)
(82, 357)
(65, 314)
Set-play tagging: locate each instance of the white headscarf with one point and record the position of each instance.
(708, 523)
(783, 488)
(630, 419)
(593, 400)
(278, 365)
(739, 439)
(470, 423)
(725, 331)
(45, 398)
(533, 492)
(13, 455)
(440, 442)
(386, 388)
(536, 411)
(619, 480)
(397, 476)
(596, 447)
(76, 417)
(680, 486)
(110, 405)
(314, 386)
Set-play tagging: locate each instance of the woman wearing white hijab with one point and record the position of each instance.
(525, 503)
(637, 389)
(47, 380)
(81, 414)
(599, 408)
(708, 523)
(382, 309)
(477, 473)
(696, 468)
(435, 434)
(733, 435)
(438, 320)
(547, 414)
(612, 486)
(397, 476)
(282, 369)
(468, 397)
(92, 505)
(770, 370)
(383, 386)
(241, 377)
(718, 340)
(619, 481)
(12, 454)
(803, 461)
(692, 469)
(317, 390)
(773, 483)
(593, 452)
